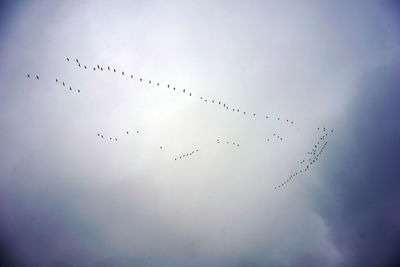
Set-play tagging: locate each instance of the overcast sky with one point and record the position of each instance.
(69, 197)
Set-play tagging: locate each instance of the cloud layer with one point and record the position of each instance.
(69, 198)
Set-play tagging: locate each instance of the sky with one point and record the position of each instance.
(69, 197)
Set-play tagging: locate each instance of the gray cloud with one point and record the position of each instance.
(359, 199)
(68, 198)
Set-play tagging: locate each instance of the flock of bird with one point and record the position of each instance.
(280, 138)
(314, 154)
(311, 160)
(186, 155)
(227, 142)
(70, 88)
(184, 91)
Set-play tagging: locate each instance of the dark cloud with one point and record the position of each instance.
(360, 198)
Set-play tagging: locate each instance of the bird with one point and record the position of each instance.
(116, 139)
(79, 64)
(84, 66)
(28, 76)
(160, 147)
(77, 61)
(101, 69)
(131, 76)
(98, 134)
(174, 88)
(190, 94)
(244, 113)
(101, 136)
(79, 91)
(98, 66)
(149, 82)
(37, 77)
(167, 85)
(67, 59)
(127, 132)
(122, 73)
(94, 68)
(183, 90)
(108, 67)
(137, 131)
(56, 80)
(219, 102)
(70, 88)
(63, 83)
(158, 84)
(140, 79)
(115, 70)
